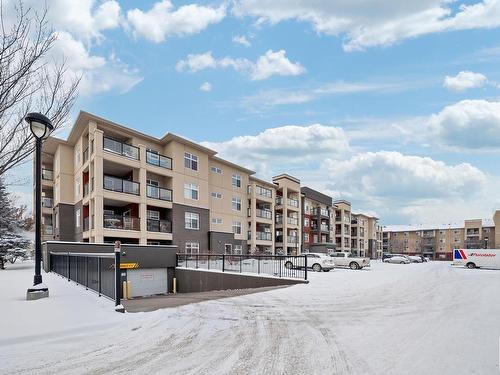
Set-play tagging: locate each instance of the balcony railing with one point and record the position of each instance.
(86, 155)
(265, 214)
(47, 202)
(292, 239)
(159, 160)
(48, 230)
(263, 236)
(163, 226)
(158, 193)
(324, 228)
(85, 189)
(324, 212)
(47, 174)
(121, 222)
(279, 238)
(292, 220)
(120, 185)
(263, 192)
(293, 202)
(279, 201)
(120, 148)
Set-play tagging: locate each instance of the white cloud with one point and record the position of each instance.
(465, 80)
(267, 65)
(374, 23)
(289, 144)
(99, 74)
(241, 40)
(206, 86)
(468, 124)
(162, 21)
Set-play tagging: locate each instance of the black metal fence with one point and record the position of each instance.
(273, 265)
(92, 270)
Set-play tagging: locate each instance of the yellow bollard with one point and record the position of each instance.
(124, 288)
(129, 289)
(175, 285)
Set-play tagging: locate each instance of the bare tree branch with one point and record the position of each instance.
(29, 82)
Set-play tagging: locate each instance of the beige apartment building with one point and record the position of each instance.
(107, 182)
(365, 236)
(438, 241)
(342, 225)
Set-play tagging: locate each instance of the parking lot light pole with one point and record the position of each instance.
(41, 127)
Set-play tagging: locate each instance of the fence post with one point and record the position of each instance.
(241, 261)
(223, 261)
(99, 276)
(196, 257)
(118, 305)
(305, 268)
(208, 260)
(280, 265)
(68, 267)
(76, 277)
(86, 273)
(258, 264)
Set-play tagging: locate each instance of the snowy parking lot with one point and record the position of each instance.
(426, 318)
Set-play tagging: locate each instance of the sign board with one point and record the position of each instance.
(127, 266)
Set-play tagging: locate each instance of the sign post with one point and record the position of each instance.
(118, 306)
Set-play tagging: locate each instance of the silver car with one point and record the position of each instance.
(399, 259)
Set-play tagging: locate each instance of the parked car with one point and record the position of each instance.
(317, 261)
(416, 258)
(343, 259)
(398, 258)
(386, 256)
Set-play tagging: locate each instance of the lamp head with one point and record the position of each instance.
(40, 125)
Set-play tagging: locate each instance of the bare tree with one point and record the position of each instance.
(29, 82)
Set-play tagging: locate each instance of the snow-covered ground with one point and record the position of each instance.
(391, 319)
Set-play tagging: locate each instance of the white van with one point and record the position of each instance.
(477, 258)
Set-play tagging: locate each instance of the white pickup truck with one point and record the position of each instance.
(342, 259)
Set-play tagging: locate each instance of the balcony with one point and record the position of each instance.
(263, 192)
(279, 238)
(265, 214)
(158, 160)
(120, 148)
(157, 192)
(85, 189)
(86, 223)
(263, 236)
(47, 175)
(325, 228)
(279, 201)
(162, 226)
(293, 202)
(47, 202)
(120, 185)
(292, 239)
(292, 220)
(47, 230)
(121, 222)
(473, 232)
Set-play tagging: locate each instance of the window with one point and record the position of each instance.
(192, 220)
(306, 237)
(237, 204)
(152, 182)
(315, 238)
(154, 215)
(191, 191)
(237, 227)
(236, 180)
(77, 218)
(191, 161)
(228, 248)
(77, 155)
(192, 247)
(238, 249)
(217, 220)
(306, 221)
(215, 170)
(216, 194)
(264, 191)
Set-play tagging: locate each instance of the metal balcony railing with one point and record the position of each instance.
(162, 226)
(324, 228)
(121, 222)
(293, 202)
(279, 200)
(292, 239)
(162, 161)
(120, 185)
(86, 189)
(47, 175)
(292, 221)
(47, 202)
(86, 223)
(265, 214)
(48, 230)
(263, 236)
(157, 192)
(121, 148)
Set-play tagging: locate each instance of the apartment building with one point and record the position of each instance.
(342, 225)
(318, 230)
(438, 241)
(107, 182)
(365, 236)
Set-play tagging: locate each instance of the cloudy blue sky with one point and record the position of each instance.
(393, 105)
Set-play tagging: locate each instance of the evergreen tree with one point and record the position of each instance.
(12, 223)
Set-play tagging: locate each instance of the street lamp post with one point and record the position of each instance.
(41, 127)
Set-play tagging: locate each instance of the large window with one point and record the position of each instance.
(215, 169)
(238, 249)
(237, 227)
(192, 220)
(236, 180)
(191, 161)
(236, 204)
(191, 191)
(192, 247)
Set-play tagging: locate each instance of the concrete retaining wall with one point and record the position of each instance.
(193, 281)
